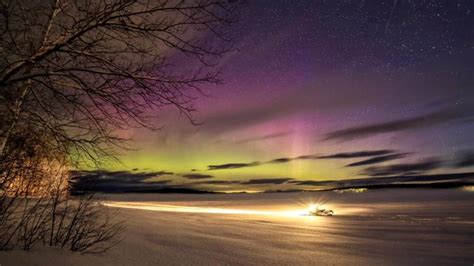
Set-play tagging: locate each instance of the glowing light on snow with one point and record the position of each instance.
(468, 188)
(187, 209)
(312, 208)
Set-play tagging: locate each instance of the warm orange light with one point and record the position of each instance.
(44, 179)
(186, 209)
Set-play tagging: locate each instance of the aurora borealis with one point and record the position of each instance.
(312, 83)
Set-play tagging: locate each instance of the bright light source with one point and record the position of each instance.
(314, 209)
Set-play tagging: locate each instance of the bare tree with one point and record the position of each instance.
(36, 206)
(72, 73)
(82, 69)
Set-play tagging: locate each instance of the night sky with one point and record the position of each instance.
(325, 90)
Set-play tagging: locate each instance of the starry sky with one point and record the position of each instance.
(324, 90)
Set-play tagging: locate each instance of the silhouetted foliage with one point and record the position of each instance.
(36, 206)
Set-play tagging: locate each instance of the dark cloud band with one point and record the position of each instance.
(196, 176)
(422, 121)
(232, 166)
(378, 159)
(404, 169)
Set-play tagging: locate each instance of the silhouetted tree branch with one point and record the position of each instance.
(72, 73)
(36, 206)
(83, 69)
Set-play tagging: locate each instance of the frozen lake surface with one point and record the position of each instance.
(386, 226)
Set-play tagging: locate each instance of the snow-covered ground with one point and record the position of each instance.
(386, 226)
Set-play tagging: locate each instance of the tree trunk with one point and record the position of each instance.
(16, 116)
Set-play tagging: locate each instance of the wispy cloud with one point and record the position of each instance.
(266, 181)
(466, 159)
(345, 155)
(416, 122)
(281, 160)
(356, 154)
(404, 169)
(251, 115)
(217, 182)
(118, 175)
(196, 176)
(378, 159)
(311, 182)
(232, 165)
(264, 137)
(446, 180)
(116, 181)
